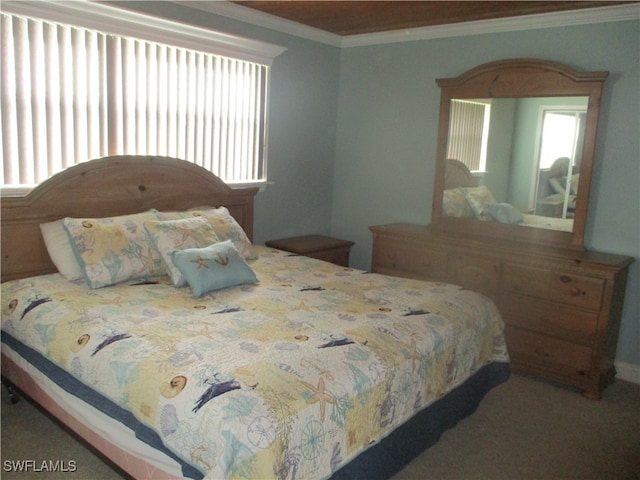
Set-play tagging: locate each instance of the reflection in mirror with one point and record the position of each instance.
(522, 156)
(497, 127)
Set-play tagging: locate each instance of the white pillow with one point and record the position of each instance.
(57, 242)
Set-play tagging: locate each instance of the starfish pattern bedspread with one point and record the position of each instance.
(289, 378)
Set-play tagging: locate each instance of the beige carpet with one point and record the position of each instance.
(523, 429)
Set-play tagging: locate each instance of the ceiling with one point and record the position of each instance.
(360, 17)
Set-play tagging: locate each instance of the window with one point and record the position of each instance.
(72, 93)
(469, 133)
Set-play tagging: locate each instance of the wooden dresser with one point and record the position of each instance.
(561, 307)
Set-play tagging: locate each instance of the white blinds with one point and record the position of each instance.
(71, 94)
(467, 132)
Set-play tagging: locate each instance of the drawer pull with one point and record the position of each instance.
(575, 291)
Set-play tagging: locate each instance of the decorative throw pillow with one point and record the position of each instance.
(479, 199)
(575, 179)
(505, 213)
(57, 242)
(168, 235)
(224, 225)
(114, 249)
(454, 204)
(213, 268)
(556, 185)
(559, 184)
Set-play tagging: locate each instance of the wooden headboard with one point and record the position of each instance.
(457, 174)
(107, 187)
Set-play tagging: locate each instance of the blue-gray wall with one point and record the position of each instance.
(352, 137)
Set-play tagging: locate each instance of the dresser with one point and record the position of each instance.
(561, 307)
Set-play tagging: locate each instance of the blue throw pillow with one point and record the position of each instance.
(505, 213)
(213, 268)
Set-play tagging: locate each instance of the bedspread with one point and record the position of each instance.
(288, 378)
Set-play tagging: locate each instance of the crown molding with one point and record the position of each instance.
(121, 21)
(265, 20)
(614, 13)
(585, 16)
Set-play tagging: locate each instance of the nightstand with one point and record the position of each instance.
(549, 208)
(316, 246)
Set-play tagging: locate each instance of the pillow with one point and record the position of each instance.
(479, 199)
(114, 249)
(223, 223)
(213, 268)
(556, 185)
(57, 242)
(505, 213)
(562, 181)
(559, 184)
(179, 234)
(454, 204)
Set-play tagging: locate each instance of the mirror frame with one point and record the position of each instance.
(520, 78)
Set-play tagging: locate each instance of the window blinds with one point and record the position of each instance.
(466, 132)
(71, 94)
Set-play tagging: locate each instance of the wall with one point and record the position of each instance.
(500, 148)
(388, 120)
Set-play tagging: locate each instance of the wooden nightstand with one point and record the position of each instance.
(316, 246)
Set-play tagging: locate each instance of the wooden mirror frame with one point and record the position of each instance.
(520, 78)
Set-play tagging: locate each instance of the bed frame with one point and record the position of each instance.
(130, 184)
(108, 187)
(457, 174)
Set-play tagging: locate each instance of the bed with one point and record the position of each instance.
(273, 366)
(464, 198)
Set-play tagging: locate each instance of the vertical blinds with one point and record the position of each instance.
(71, 94)
(466, 128)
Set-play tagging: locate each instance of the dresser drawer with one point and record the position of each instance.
(566, 288)
(475, 272)
(541, 354)
(408, 259)
(555, 320)
(525, 280)
(576, 290)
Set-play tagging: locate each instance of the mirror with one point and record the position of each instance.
(515, 151)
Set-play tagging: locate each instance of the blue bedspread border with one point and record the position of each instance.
(385, 459)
